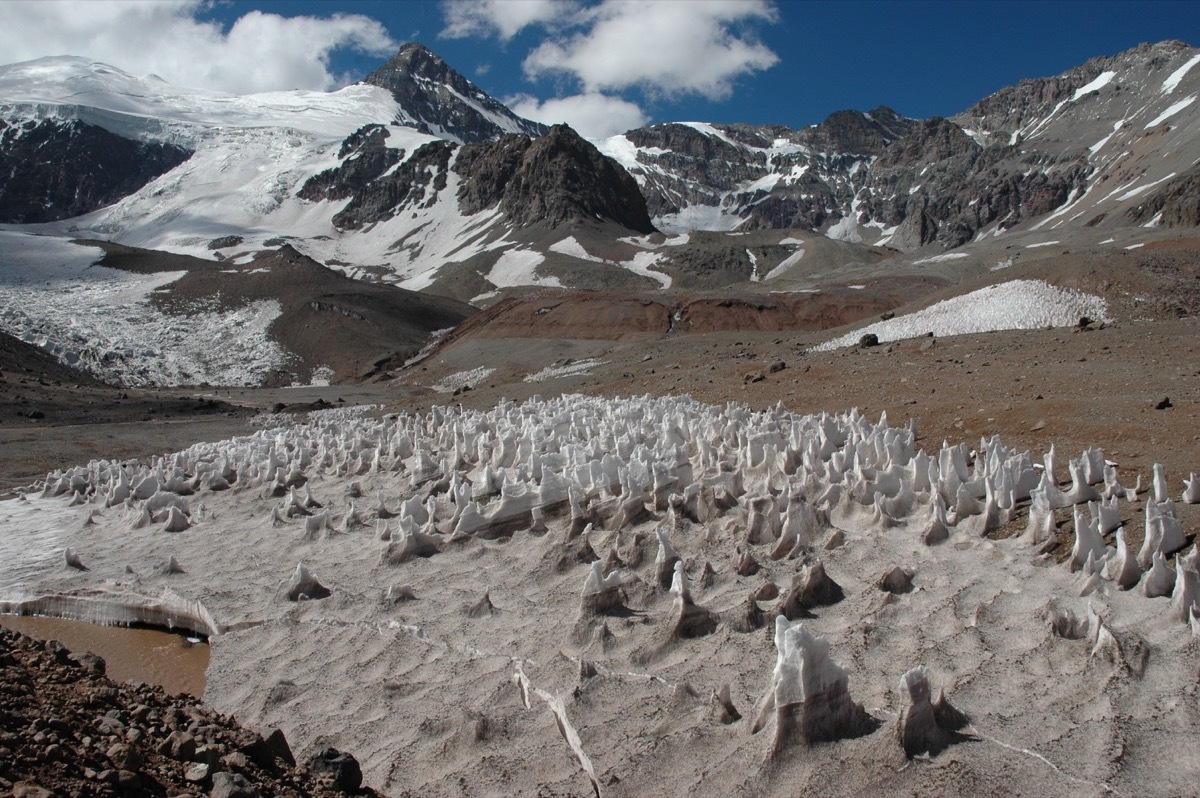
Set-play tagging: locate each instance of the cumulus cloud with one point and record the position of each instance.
(664, 48)
(260, 51)
(592, 115)
(502, 18)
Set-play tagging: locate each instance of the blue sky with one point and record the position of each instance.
(611, 64)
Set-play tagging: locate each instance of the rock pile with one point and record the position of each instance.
(65, 729)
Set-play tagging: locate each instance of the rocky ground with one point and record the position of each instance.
(66, 730)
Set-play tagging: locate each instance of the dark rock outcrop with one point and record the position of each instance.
(56, 169)
(365, 156)
(1178, 202)
(552, 180)
(415, 183)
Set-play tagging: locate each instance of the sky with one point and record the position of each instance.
(605, 66)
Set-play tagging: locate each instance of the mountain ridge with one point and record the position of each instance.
(351, 179)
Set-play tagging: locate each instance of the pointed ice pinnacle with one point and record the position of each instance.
(410, 543)
(176, 521)
(925, 726)
(812, 587)
(315, 524)
(483, 607)
(1088, 543)
(747, 565)
(937, 529)
(896, 581)
(1160, 579)
(721, 706)
(1164, 532)
(665, 561)
(1186, 594)
(809, 694)
(72, 560)
(601, 594)
(304, 585)
(398, 593)
(171, 566)
(691, 620)
(1160, 483)
(1191, 490)
(1125, 571)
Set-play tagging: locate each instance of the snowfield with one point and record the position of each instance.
(1015, 305)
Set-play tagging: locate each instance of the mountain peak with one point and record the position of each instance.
(437, 100)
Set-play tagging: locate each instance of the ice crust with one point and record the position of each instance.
(53, 295)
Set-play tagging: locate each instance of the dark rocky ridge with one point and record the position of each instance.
(1178, 201)
(701, 168)
(935, 180)
(364, 157)
(58, 169)
(437, 100)
(556, 179)
(415, 183)
(551, 180)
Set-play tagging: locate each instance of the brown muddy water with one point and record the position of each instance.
(150, 656)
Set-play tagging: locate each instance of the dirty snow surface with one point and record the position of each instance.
(519, 600)
(53, 295)
(1015, 305)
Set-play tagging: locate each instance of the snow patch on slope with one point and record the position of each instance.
(1102, 80)
(1172, 82)
(1015, 305)
(1170, 112)
(519, 267)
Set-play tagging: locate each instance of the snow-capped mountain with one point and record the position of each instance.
(367, 179)
(435, 99)
(416, 177)
(1112, 142)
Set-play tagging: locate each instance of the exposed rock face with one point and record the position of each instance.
(437, 100)
(365, 156)
(1014, 156)
(415, 183)
(1176, 204)
(57, 169)
(374, 197)
(552, 180)
(688, 165)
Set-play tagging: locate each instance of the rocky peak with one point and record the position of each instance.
(929, 141)
(858, 133)
(437, 100)
(686, 140)
(552, 180)
(1015, 107)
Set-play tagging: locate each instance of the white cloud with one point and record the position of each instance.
(595, 116)
(260, 51)
(504, 18)
(661, 47)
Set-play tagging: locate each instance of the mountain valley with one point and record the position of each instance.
(394, 373)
